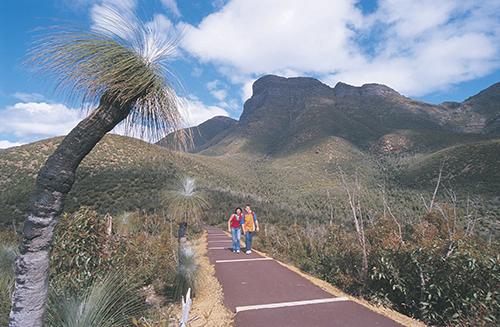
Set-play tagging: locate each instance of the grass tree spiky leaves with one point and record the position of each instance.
(120, 58)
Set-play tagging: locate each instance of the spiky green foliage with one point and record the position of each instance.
(8, 253)
(81, 252)
(188, 273)
(184, 200)
(126, 223)
(120, 59)
(114, 301)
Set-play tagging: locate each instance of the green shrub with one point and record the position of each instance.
(8, 254)
(151, 258)
(112, 301)
(422, 271)
(187, 273)
(81, 250)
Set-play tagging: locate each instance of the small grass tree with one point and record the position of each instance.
(185, 202)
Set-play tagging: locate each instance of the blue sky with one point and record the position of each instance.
(435, 51)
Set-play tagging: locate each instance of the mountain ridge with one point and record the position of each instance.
(285, 112)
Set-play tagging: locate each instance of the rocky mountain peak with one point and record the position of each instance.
(273, 90)
(269, 82)
(343, 90)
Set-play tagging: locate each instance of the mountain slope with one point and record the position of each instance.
(203, 133)
(479, 113)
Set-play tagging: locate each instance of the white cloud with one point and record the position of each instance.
(28, 97)
(4, 144)
(416, 47)
(218, 90)
(195, 112)
(171, 5)
(32, 121)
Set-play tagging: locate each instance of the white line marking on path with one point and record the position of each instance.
(218, 248)
(289, 304)
(242, 260)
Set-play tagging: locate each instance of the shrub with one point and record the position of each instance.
(422, 270)
(112, 301)
(151, 258)
(81, 250)
(187, 274)
(8, 254)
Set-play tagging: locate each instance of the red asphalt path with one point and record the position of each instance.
(262, 292)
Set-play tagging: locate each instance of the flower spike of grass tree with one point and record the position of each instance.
(118, 67)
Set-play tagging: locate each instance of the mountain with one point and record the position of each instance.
(203, 133)
(479, 113)
(295, 133)
(286, 114)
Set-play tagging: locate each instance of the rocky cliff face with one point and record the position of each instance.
(343, 90)
(283, 112)
(287, 93)
(296, 91)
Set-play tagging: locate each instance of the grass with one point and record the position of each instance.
(111, 302)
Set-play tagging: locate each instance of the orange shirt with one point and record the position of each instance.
(249, 224)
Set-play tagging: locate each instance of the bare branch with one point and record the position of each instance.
(438, 183)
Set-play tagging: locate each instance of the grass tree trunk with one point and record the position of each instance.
(53, 183)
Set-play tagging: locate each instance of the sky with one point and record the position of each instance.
(434, 51)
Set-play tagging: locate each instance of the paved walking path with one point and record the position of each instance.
(263, 292)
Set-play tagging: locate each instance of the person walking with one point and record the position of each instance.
(250, 225)
(234, 227)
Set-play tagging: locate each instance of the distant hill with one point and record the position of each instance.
(479, 113)
(203, 133)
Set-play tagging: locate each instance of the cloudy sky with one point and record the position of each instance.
(435, 51)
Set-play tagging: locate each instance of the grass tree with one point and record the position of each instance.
(117, 67)
(184, 201)
(8, 253)
(111, 302)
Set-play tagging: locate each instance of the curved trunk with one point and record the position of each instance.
(53, 183)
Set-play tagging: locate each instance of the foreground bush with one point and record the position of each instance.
(187, 273)
(112, 301)
(8, 254)
(82, 250)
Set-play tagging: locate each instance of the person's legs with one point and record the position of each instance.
(238, 241)
(234, 237)
(248, 241)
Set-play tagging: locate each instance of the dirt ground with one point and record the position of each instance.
(208, 305)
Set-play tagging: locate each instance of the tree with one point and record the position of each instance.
(184, 202)
(118, 67)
